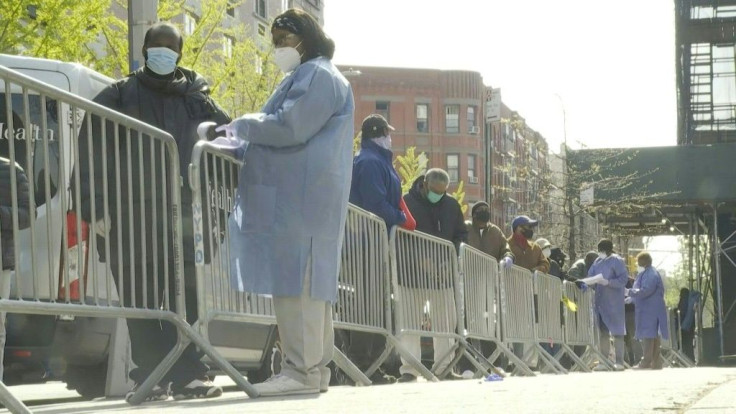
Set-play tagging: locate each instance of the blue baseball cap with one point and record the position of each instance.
(523, 220)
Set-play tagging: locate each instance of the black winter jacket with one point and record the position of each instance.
(6, 209)
(176, 106)
(443, 219)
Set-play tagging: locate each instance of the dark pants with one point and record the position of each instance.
(651, 358)
(687, 343)
(633, 347)
(365, 348)
(152, 339)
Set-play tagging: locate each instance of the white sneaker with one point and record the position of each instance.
(282, 385)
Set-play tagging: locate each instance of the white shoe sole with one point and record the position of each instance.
(289, 392)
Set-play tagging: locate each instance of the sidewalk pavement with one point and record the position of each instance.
(672, 390)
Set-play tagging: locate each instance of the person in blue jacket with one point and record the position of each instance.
(292, 200)
(609, 300)
(647, 294)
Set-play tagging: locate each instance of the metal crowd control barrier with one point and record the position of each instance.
(580, 328)
(479, 276)
(427, 297)
(670, 348)
(362, 282)
(518, 317)
(549, 310)
(364, 289)
(57, 265)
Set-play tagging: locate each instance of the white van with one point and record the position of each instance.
(43, 347)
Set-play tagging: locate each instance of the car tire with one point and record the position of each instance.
(88, 381)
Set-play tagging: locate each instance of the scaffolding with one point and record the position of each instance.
(706, 71)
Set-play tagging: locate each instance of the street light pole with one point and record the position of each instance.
(142, 14)
(568, 189)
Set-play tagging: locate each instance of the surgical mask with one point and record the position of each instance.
(287, 58)
(547, 253)
(482, 216)
(640, 269)
(602, 255)
(161, 60)
(434, 197)
(383, 142)
(528, 233)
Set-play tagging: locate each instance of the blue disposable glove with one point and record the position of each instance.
(582, 286)
(506, 262)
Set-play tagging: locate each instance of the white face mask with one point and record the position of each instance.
(640, 269)
(383, 142)
(602, 255)
(287, 58)
(547, 253)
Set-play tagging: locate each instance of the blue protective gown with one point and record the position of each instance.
(293, 189)
(650, 310)
(609, 300)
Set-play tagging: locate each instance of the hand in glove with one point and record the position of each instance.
(603, 282)
(582, 286)
(506, 262)
(628, 300)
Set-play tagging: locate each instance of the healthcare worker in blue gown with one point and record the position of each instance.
(647, 294)
(609, 300)
(288, 223)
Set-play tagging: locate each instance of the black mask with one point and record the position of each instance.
(482, 216)
(528, 233)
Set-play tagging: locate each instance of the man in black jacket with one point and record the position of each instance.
(175, 100)
(22, 214)
(440, 215)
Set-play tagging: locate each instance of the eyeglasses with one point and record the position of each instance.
(281, 40)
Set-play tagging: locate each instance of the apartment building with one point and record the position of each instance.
(439, 112)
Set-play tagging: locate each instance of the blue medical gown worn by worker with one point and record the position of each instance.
(609, 300)
(651, 311)
(293, 189)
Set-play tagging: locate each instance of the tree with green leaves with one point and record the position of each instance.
(68, 30)
(410, 167)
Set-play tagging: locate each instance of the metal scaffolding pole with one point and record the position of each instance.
(719, 296)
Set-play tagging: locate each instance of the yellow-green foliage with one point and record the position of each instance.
(459, 195)
(410, 167)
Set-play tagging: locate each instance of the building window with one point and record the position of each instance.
(383, 109)
(453, 167)
(261, 8)
(452, 121)
(227, 46)
(422, 118)
(190, 24)
(472, 126)
(230, 8)
(472, 178)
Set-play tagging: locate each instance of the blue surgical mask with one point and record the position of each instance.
(434, 197)
(640, 269)
(161, 60)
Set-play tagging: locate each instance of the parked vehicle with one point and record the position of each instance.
(63, 347)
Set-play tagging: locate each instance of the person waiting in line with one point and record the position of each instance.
(289, 222)
(647, 294)
(441, 216)
(559, 256)
(685, 307)
(486, 236)
(22, 214)
(376, 187)
(579, 269)
(527, 253)
(554, 267)
(609, 301)
(176, 100)
(633, 347)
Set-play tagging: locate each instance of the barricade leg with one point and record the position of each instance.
(10, 402)
(349, 368)
(478, 360)
(548, 359)
(386, 352)
(456, 350)
(411, 359)
(577, 361)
